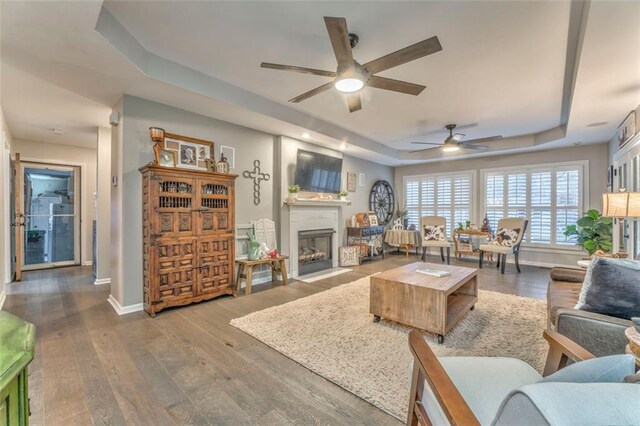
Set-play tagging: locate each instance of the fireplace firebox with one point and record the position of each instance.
(314, 250)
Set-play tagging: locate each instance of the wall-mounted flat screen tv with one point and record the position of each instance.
(317, 172)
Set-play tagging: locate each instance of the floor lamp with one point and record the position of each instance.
(621, 205)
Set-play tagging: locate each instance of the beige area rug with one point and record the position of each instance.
(332, 334)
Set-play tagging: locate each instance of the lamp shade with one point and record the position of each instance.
(621, 204)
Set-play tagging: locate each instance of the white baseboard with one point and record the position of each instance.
(123, 310)
(99, 281)
(3, 297)
(88, 263)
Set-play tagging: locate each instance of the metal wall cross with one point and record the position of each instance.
(257, 177)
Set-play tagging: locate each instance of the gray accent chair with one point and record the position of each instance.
(506, 391)
(600, 334)
(502, 251)
(441, 244)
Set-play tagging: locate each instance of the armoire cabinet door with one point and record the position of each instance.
(215, 263)
(174, 205)
(214, 211)
(175, 260)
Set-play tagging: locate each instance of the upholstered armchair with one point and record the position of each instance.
(441, 243)
(600, 334)
(507, 391)
(502, 250)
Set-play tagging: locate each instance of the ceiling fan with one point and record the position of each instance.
(350, 76)
(454, 141)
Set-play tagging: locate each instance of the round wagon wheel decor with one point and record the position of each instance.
(381, 201)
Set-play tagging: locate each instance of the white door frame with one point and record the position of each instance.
(78, 208)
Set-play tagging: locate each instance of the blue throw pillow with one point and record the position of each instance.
(607, 369)
(611, 287)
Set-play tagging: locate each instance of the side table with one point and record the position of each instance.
(245, 270)
(403, 238)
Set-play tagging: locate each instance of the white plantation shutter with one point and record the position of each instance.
(448, 196)
(412, 200)
(567, 202)
(540, 220)
(549, 197)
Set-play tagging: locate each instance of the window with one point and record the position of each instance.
(549, 196)
(447, 195)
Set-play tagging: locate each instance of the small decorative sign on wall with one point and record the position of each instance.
(627, 129)
(351, 182)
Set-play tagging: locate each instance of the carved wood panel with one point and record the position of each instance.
(215, 268)
(176, 262)
(174, 204)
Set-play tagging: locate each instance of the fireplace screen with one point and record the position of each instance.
(314, 250)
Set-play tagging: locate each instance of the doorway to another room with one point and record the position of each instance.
(50, 206)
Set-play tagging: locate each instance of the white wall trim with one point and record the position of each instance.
(88, 263)
(3, 297)
(100, 281)
(123, 310)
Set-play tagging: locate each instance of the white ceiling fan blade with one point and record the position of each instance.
(421, 150)
(488, 139)
(457, 137)
(478, 147)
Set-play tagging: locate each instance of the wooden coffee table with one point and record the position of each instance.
(430, 303)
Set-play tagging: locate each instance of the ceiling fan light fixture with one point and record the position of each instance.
(450, 148)
(349, 84)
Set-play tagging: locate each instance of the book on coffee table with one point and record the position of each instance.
(433, 272)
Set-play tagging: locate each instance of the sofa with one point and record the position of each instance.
(601, 335)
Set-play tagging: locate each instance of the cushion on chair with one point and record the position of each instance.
(494, 248)
(436, 243)
(434, 233)
(611, 287)
(484, 382)
(608, 369)
(559, 403)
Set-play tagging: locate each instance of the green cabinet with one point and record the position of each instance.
(17, 338)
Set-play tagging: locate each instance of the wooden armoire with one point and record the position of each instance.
(188, 232)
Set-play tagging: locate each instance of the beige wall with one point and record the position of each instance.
(103, 211)
(74, 156)
(132, 148)
(596, 155)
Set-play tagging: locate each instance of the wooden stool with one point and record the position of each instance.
(245, 270)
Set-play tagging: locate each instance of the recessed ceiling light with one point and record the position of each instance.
(598, 124)
(306, 135)
(343, 146)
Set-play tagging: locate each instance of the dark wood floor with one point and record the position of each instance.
(188, 365)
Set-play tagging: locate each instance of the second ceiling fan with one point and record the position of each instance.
(351, 76)
(454, 142)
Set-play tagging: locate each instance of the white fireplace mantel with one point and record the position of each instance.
(315, 202)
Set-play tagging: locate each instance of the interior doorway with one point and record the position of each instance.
(49, 200)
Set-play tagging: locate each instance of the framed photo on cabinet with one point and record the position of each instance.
(191, 153)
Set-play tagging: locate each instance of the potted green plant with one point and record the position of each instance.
(293, 192)
(342, 195)
(402, 213)
(593, 232)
